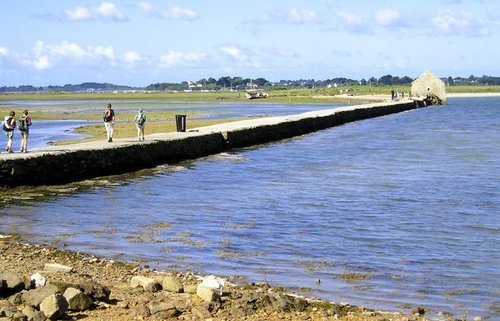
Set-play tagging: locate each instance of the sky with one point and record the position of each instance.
(137, 43)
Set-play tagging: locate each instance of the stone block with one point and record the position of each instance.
(77, 300)
(33, 315)
(207, 294)
(148, 284)
(56, 267)
(35, 297)
(37, 280)
(12, 283)
(54, 306)
(172, 284)
(158, 306)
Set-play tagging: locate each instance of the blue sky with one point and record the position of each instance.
(126, 42)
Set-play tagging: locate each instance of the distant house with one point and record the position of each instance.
(430, 86)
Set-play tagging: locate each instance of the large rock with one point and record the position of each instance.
(207, 294)
(146, 283)
(156, 307)
(35, 297)
(11, 283)
(77, 300)
(33, 315)
(54, 306)
(37, 280)
(56, 267)
(172, 284)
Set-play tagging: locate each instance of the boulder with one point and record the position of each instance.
(96, 291)
(11, 283)
(37, 280)
(63, 285)
(77, 300)
(146, 283)
(190, 288)
(56, 267)
(17, 299)
(141, 311)
(213, 282)
(54, 306)
(172, 284)
(207, 294)
(35, 297)
(158, 306)
(201, 312)
(33, 315)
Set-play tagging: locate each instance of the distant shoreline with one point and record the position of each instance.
(469, 95)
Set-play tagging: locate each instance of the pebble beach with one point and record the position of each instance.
(39, 282)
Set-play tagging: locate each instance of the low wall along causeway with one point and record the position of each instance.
(57, 165)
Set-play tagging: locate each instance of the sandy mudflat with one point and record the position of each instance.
(249, 302)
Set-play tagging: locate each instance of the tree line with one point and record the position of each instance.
(240, 83)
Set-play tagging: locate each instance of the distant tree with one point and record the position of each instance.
(224, 82)
(261, 82)
(405, 80)
(385, 80)
(373, 81)
(363, 82)
(451, 82)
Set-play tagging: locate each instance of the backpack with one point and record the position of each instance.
(108, 115)
(22, 124)
(5, 127)
(141, 120)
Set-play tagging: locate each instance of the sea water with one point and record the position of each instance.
(389, 213)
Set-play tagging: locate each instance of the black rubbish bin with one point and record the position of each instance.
(180, 123)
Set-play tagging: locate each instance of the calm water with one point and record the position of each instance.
(409, 204)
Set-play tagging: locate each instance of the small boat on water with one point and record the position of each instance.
(256, 95)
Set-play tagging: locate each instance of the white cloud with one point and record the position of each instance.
(297, 16)
(176, 58)
(351, 21)
(145, 6)
(42, 63)
(48, 56)
(459, 23)
(131, 57)
(179, 13)
(4, 52)
(234, 53)
(105, 11)
(109, 10)
(388, 18)
(78, 14)
(176, 13)
(107, 52)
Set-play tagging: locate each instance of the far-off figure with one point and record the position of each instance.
(140, 123)
(23, 124)
(109, 122)
(8, 125)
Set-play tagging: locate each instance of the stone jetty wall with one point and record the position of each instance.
(56, 165)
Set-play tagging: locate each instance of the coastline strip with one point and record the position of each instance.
(69, 163)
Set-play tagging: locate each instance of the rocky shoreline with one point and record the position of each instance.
(38, 282)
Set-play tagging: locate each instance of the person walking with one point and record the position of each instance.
(140, 123)
(9, 124)
(23, 125)
(109, 122)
